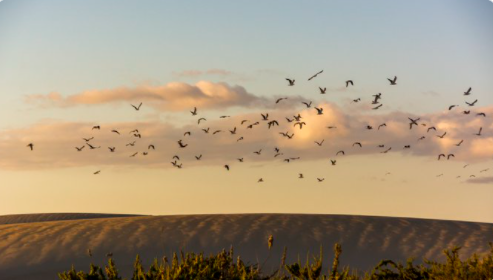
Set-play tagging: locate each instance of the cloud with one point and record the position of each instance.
(55, 141)
(482, 180)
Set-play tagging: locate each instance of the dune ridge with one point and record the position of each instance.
(40, 250)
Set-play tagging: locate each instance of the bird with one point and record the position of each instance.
(272, 123)
(376, 108)
(115, 131)
(277, 149)
(265, 117)
(381, 146)
(239, 139)
(322, 90)
(369, 127)
(291, 82)
(382, 125)
(315, 75)
(131, 144)
(258, 152)
(181, 144)
(31, 146)
(206, 130)
(201, 119)
(240, 159)
(176, 157)
(465, 166)
(320, 111)
(300, 176)
(393, 82)
(421, 138)
(443, 135)
(80, 149)
(481, 114)
(484, 170)
(112, 149)
(92, 147)
(300, 124)
(96, 127)
(198, 157)
(88, 139)
(320, 179)
(386, 151)
(308, 105)
(356, 100)
(137, 108)
(451, 107)
(407, 147)
(227, 167)
(340, 152)
(217, 131)
(194, 112)
(134, 131)
(260, 180)
(298, 117)
(137, 135)
(450, 155)
(331, 127)
(243, 121)
(468, 92)
(279, 100)
(145, 153)
(413, 122)
(233, 131)
(440, 156)
(223, 117)
(151, 146)
(97, 172)
(349, 82)
(333, 161)
(430, 128)
(479, 133)
(357, 143)
(134, 154)
(472, 104)
(458, 144)
(320, 143)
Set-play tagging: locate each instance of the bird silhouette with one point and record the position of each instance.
(443, 135)
(227, 167)
(134, 154)
(31, 146)
(320, 179)
(479, 133)
(407, 147)
(206, 130)
(382, 125)
(468, 92)
(393, 82)
(272, 123)
(333, 161)
(279, 100)
(112, 149)
(340, 152)
(176, 157)
(97, 172)
(145, 153)
(181, 144)
(258, 152)
(472, 104)
(194, 111)
(320, 143)
(80, 149)
(440, 156)
(386, 151)
(239, 139)
(88, 139)
(261, 180)
(137, 108)
(413, 122)
(481, 114)
(223, 117)
(131, 144)
(356, 100)
(291, 82)
(243, 121)
(450, 155)
(233, 131)
(458, 144)
(198, 157)
(376, 108)
(151, 146)
(265, 117)
(96, 127)
(357, 143)
(315, 75)
(322, 90)
(308, 105)
(201, 119)
(320, 111)
(92, 147)
(349, 82)
(300, 176)
(431, 128)
(369, 127)
(217, 131)
(115, 131)
(451, 107)
(301, 124)
(240, 159)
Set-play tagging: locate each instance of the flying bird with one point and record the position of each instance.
(233, 131)
(279, 100)
(206, 130)
(265, 117)
(181, 144)
(151, 146)
(291, 82)
(320, 111)
(376, 108)
(115, 131)
(479, 133)
(131, 144)
(92, 147)
(239, 139)
(382, 125)
(356, 100)
(481, 114)
(393, 82)
(440, 156)
(430, 128)
(349, 82)
(96, 127)
(450, 155)
(333, 162)
(320, 179)
(308, 105)
(97, 172)
(194, 112)
(240, 159)
(80, 149)
(472, 104)
(300, 124)
(443, 135)
(340, 152)
(260, 180)
(137, 108)
(187, 133)
(386, 151)
(201, 119)
(451, 107)
(88, 139)
(272, 123)
(413, 122)
(227, 167)
(458, 144)
(198, 157)
(322, 90)
(466, 112)
(315, 75)
(133, 155)
(320, 143)
(258, 152)
(468, 92)
(112, 149)
(357, 143)
(223, 117)
(217, 131)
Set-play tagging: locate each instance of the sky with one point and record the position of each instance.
(66, 66)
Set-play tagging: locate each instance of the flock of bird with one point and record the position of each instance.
(297, 122)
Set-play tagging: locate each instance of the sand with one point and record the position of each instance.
(39, 250)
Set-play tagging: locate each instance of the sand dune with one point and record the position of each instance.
(33, 218)
(40, 250)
